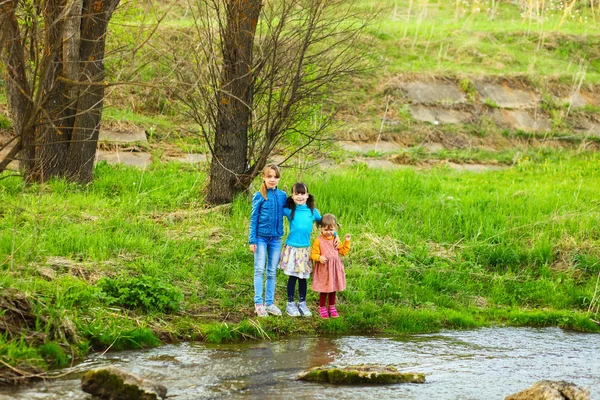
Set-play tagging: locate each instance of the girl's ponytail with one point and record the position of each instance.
(263, 189)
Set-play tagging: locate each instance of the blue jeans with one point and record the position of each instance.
(267, 253)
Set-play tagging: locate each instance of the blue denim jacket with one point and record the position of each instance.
(266, 218)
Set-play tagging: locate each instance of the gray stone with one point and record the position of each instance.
(581, 99)
(589, 128)
(47, 273)
(360, 374)
(433, 147)
(121, 137)
(191, 158)
(194, 158)
(437, 115)
(424, 114)
(577, 99)
(136, 159)
(552, 390)
(522, 120)
(506, 97)
(433, 92)
(111, 383)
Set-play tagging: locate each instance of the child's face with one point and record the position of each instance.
(327, 231)
(300, 198)
(271, 179)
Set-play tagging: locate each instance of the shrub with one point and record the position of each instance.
(144, 292)
(54, 354)
(5, 123)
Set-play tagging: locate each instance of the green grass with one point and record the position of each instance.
(432, 249)
(460, 41)
(440, 38)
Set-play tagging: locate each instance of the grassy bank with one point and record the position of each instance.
(541, 45)
(134, 258)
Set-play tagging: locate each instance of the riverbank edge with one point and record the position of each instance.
(156, 330)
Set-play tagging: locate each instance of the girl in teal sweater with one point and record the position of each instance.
(295, 257)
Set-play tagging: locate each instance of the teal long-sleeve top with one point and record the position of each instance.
(302, 225)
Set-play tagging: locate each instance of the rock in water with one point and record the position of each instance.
(360, 374)
(552, 390)
(111, 383)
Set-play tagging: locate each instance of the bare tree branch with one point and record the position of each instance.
(303, 52)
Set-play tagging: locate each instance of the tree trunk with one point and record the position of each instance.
(17, 87)
(57, 120)
(230, 158)
(80, 161)
(50, 138)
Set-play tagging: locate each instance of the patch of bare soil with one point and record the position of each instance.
(17, 317)
(87, 271)
(466, 165)
(182, 215)
(121, 126)
(17, 321)
(566, 251)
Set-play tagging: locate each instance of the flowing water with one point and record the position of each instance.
(486, 363)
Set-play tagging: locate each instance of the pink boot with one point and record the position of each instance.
(333, 312)
(323, 312)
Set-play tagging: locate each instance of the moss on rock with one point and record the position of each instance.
(360, 374)
(113, 384)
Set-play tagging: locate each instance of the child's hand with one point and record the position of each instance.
(336, 241)
(253, 248)
(322, 259)
(347, 236)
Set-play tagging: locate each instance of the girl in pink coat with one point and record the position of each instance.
(328, 274)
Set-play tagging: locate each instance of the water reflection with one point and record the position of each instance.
(480, 364)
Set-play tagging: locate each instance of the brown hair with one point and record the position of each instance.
(263, 187)
(329, 220)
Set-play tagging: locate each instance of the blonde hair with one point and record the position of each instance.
(267, 168)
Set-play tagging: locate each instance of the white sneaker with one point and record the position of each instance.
(272, 309)
(292, 310)
(304, 310)
(260, 310)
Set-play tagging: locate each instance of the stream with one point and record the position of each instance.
(488, 363)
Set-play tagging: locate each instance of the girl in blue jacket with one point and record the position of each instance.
(266, 230)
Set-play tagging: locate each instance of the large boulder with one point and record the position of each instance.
(552, 390)
(111, 383)
(360, 374)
